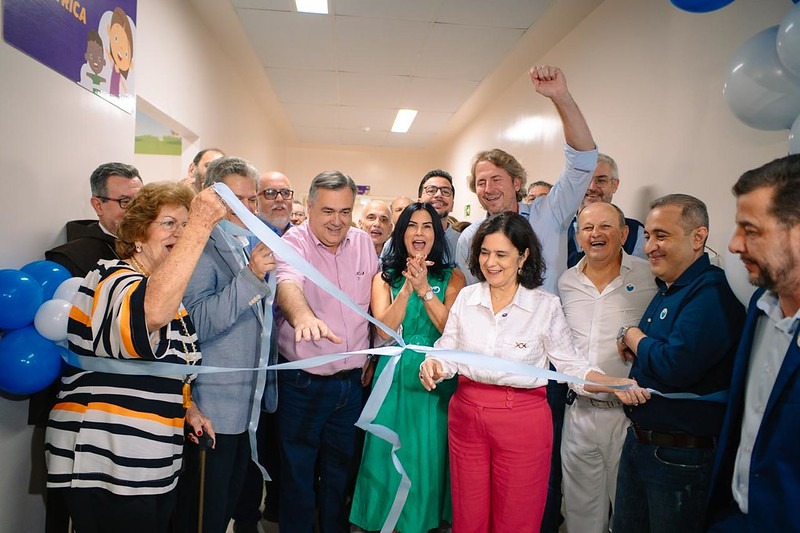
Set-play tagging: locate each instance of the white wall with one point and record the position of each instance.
(54, 133)
(648, 78)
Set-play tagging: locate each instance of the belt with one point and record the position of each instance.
(674, 440)
(340, 375)
(599, 404)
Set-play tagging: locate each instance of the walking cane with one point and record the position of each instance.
(205, 442)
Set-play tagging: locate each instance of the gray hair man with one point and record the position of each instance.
(376, 220)
(229, 299)
(604, 184)
(113, 186)
(275, 201)
(319, 406)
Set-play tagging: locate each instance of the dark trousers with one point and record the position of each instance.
(99, 511)
(557, 399)
(247, 509)
(226, 466)
(661, 489)
(316, 418)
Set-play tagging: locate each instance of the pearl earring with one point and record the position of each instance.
(138, 249)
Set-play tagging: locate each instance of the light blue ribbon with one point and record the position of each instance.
(257, 228)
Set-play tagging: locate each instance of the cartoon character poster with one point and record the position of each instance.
(92, 42)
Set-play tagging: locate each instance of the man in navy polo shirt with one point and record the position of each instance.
(685, 343)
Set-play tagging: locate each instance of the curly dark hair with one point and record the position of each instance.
(518, 230)
(395, 260)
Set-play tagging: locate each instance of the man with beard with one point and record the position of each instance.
(436, 188)
(604, 184)
(756, 474)
(275, 201)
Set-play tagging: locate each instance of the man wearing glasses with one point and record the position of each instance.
(113, 187)
(275, 201)
(229, 299)
(436, 188)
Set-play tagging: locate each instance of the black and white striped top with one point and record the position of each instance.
(122, 433)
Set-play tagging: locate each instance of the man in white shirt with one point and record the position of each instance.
(607, 289)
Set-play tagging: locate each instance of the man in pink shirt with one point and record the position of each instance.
(319, 407)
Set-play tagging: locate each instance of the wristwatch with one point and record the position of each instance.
(621, 334)
(428, 296)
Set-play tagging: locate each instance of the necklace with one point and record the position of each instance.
(191, 355)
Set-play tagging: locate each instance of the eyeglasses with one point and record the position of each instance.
(123, 201)
(271, 194)
(431, 190)
(170, 224)
(298, 214)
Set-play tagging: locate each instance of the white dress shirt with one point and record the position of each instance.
(595, 317)
(531, 329)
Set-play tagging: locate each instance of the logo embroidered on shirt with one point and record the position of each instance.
(629, 287)
(435, 289)
(663, 314)
(520, 345)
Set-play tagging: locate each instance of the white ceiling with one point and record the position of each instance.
(341, 77)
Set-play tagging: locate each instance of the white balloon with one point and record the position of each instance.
(794, 136)
(67, 289)
(760, 91)
(51, 319)
(737, 276)
(788, 41)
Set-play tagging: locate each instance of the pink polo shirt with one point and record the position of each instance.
(351, 268)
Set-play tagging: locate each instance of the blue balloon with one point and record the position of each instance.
(20, 298)
(759, 90)
(788, 41)
(29, 363)
(794, 137)
(700, 6)
(49, 275)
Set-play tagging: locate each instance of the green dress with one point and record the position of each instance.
(420, 419)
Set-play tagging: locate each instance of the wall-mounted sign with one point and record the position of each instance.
(363, 189)
(91, 42)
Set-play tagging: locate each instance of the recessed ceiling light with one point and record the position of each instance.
(403, 120)
(312, 6)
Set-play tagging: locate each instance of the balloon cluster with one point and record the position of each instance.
(762, 86)
(34, 310)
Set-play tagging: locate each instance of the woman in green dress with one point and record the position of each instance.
(413, 294)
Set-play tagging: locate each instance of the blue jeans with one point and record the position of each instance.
(316, 417)
(661, 489)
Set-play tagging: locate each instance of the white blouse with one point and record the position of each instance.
(531, 329)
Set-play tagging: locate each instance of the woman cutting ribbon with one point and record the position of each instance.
(499, 423)
(114, 441)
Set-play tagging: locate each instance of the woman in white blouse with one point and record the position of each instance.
(500, 430)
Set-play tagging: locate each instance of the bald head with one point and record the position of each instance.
(601, 233)
(397, 206)
(276, 210)
(376, 220)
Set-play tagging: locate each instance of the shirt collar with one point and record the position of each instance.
(700, 265)
(770, 305)
(523, 298)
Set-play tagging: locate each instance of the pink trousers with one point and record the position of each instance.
(500, 444)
